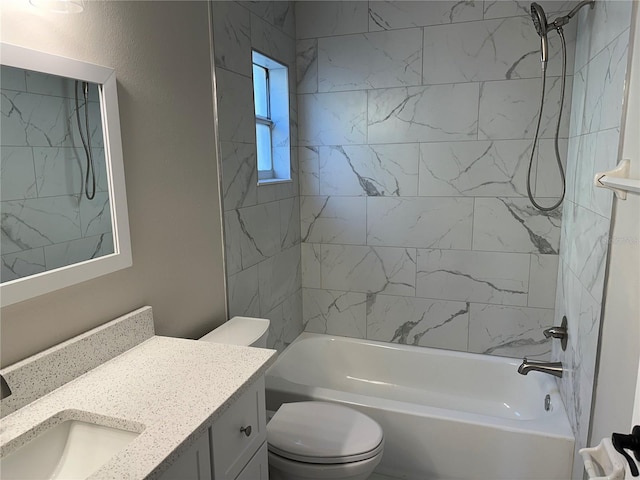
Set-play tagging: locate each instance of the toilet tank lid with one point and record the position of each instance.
(238, 331)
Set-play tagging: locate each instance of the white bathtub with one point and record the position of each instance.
(445, 415)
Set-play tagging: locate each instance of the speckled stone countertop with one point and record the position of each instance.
(169, 389)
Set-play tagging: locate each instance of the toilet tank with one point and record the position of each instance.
(248, 331)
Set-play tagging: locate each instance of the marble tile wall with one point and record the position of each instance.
(262, 223)
(415, 128)
(46, 220)
(596, 113)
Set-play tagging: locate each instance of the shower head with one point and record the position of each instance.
(540, 22)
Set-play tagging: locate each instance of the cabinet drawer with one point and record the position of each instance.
(231, 447)
(258, 467)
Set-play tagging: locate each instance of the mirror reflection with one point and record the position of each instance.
(54, 199)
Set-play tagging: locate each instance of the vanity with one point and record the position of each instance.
(181, 409)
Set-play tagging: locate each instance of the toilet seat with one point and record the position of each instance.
(323, 433)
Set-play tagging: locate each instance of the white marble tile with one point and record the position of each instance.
(423, 114)
(95, 214)
(356, 268)
(309, 158)
(62, 171)
(339, 220)
(239, 176)
(584, 170)
(232, 37)
(335, 313)
(232, 240)
(244, 299)
(54, 85)
(286, 322)
(284, 17)
(80, 250)
(278, 278)
(423, 222)
(259, 232)
(236, 114)
(21, 264)
(370, 60)
(37, 222)
(13, 78)
(338, 118)
(307, 65)
(311, 260)
(490, 50)
(605, 87)
(487, 277)
(262, 8)
(402, 14)
(369, 170)
(547, 180)
(323, 19)
(479, 169)
(418, 321)
(35, 120)
(270, 41)
(543, 274)
(600, 26)
(509, 108)
(509, 331)
(512, 8)
(514, 225)
(578, 103)
(17, 175)
(588, 245)
(289, 222)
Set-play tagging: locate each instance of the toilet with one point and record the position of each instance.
(310, 440)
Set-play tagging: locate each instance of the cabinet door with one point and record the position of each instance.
(194, 464)
(258, 466)
(239, 432)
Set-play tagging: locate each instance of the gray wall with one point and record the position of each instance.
(415, 128)
(596, 115)
(161, 54)
(262, 223)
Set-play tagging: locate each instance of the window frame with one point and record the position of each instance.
(267, 65)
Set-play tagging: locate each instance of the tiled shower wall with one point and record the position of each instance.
(262, 223)
(46, 220)
(596, 113)
(415, 129)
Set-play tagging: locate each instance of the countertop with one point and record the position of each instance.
(169, 389)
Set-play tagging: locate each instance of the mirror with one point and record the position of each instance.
(63, 208)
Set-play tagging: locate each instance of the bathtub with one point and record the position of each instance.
(445, 415)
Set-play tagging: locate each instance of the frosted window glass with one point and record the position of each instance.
(263, 144)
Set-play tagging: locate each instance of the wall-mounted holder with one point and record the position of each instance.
(618, 180)
(602, 462)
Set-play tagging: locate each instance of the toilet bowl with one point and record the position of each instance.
(310, 440)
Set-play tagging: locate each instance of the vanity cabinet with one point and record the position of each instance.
(235, 446)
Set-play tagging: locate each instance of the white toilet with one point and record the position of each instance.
(310, 440)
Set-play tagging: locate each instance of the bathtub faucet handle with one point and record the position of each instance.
(559, 333)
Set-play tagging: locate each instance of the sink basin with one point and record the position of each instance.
(71, 450)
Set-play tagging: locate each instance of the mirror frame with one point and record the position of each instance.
(25, 288)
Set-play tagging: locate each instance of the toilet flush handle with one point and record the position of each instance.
(246, 430)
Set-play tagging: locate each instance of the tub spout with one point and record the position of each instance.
(552, 368)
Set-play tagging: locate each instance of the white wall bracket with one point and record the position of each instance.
(618, 180)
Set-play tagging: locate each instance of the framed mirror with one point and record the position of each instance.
(63, 205)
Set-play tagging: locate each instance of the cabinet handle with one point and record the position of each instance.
(246, 430)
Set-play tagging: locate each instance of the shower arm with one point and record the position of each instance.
(561, 21)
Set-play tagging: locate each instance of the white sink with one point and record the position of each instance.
(70, 450)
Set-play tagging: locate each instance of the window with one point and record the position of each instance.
(271, 100)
